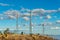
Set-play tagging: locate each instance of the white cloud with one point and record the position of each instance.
(48, 16)
(26, 14)
(35, 12)
(51, 11)
(24, 10)
(38, 11)
(3, 4)
(58, 21)
(42, 11)
(55, 28)
(12, 17)
(26, 18)
(12, 13)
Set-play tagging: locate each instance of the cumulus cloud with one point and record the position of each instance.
(12, 13)
(26, 18)
(3, 4)
(25, 14)
(51, 11)
(58, 21)
(28, 14)
(55, 28)
(42, 11)
(38, 11)
(48, 16)
(11, 17)
(25, 10)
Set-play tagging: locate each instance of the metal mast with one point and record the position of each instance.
(43, 28)
(17, 23)
(30, 23)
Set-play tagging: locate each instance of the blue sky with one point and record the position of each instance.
(47, 12)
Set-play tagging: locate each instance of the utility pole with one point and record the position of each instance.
(30, 23)
(17, 23)
(43, 28)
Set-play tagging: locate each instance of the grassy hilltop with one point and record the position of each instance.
(6, 35)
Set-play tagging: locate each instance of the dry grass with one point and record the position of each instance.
(24, 37)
